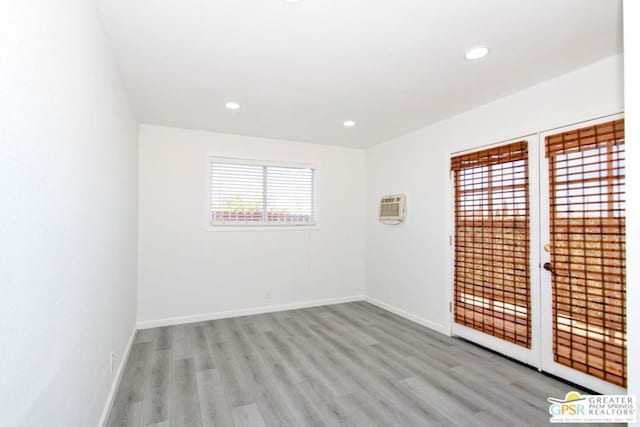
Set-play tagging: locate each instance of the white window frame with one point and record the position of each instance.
(210, 225)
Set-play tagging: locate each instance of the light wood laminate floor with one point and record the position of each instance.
(348, 364)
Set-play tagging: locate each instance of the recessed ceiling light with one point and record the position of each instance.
(476, 53)
(349, 123)
(232, 105)
(292, 1)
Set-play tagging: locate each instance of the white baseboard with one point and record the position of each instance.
(147, 324)
(412, 317)
(116, 380)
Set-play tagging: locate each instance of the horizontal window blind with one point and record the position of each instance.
(491, 272)
(587, 228)
(289, 195)
(253, 194)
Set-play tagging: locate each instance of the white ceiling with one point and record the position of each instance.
(300, 70)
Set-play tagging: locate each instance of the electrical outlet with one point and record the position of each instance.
(112, 358)
(267, 295)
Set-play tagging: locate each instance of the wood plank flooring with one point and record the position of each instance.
(341, 365)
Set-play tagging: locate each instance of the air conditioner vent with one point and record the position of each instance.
(392, 209)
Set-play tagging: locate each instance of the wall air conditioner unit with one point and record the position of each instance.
(393, 209)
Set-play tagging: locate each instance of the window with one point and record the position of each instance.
(254, 193)
(491, 281)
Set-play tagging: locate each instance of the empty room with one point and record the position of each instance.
(319, 213)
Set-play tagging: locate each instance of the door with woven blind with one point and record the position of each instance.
(583, 254)
(539, 251)
(494, 302)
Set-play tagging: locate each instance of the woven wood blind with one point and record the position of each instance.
(587, 228)
(491, 283)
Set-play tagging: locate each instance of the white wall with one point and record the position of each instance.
(408, 266)
(632, 134)
(68, 188)
(185, 270)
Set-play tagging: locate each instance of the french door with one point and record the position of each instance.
(494, 302)
(583, 254)
(539, 266)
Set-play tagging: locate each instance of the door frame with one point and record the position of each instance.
(540, 355)
(546, 324)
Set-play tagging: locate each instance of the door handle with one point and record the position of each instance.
(547, 266)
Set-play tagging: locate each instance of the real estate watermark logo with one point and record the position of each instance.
(587, 408)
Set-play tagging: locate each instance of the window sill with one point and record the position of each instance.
(262, 227)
